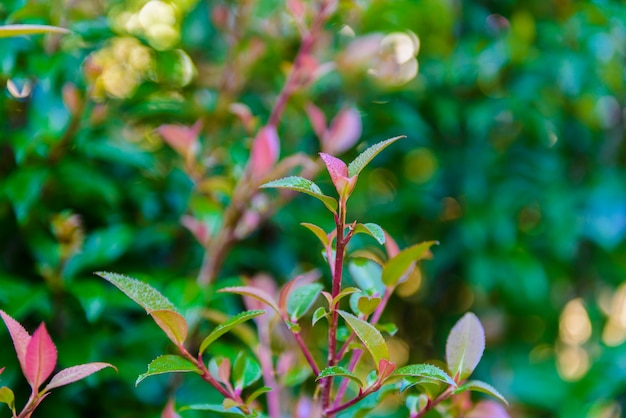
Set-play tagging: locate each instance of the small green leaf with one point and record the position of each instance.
(172, 323)
(253, 292)
(301, 299)
(19, 30)
(319, 232)
(246, 371)
(302, 185)
(355, 167)
(372, 230)
(319, 313)
(371, 338)
(7, 397)
(465, 346)
(367, 304)
(389, 328)
(219, 409)
(367, 275)
(397, 266)
(478, 386)
(345, 292)
(223, 328)
(145, 295)
(168, 363)
(341, 372)
(427, 371)
(295, 376)
(257, 393)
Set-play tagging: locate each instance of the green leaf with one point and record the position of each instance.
(367, 304)
(253, 292)
(371, 338)
(427, 371)
(478, 386)
(465, 346)
(19, 30)
(366, 156)
(7, 397)
(172, 323)
(319, 313)
(345, 292)
(371, 229)
(143, 294)
(367, 275)
(223, 328)
(389, 328)
(260, 391)
(301, 299)
(302, 185)
(341, 372)
(168, 363)
(295, 376)
(219, 409)
(319, 232)
(246, 371)
(396, 267)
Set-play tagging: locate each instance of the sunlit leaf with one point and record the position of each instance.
(302, 185)
(319, 233)
(75, 373)
(143, 294)
(371, 229)
(397, 266)
(260, 391)
(172, 323)
(371, 338)
(223, 328)
(168, 363)
(344, 292)
(254, 293)
(19, 30)
(338, 371)
(465, 346)
(40, 358)
(367, 305)
(355, 167)
(301, 299)
(7, 397)
(478, 386)
(319, 314)
(427, 371)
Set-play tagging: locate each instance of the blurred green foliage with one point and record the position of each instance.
(515, 162)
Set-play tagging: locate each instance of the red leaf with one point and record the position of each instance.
(338, 171)
(199, 229)
(391, 246)
(489, 409)
(318, 121)
(20, 338)
(183, 139)
(74, 374)
(344, 132)
(265, 150)
(40, 358)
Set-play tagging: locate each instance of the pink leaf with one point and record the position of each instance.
(20, 338)
(296, 7)
(199, 229)
(385, 368)
(338, 171)
(170, 410)
(489, 409)
(244, 114)
(183, 139)
(40, 358)
(391, 246)
(265, 150)
(74, 374)
(317, 119)
(344, 132)
(223, 370)
(2, 369)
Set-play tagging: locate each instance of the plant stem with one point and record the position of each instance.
(352, 401)
(264, 355)
(307, 354)
(431, 404)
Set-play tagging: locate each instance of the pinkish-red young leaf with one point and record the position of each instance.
(172, 323)
(385, 368)
(244, 114)
(344, 132)
(75, 373)
(20, 338)
(223, 370)
(199, 230)
(338, 171)
(391, 246)
(40, 359)
(253, 292)
(170, 410)
(183, 139)
(265, 151)
(318, 121)
(2, 369)
(489, 409)
(296, 8)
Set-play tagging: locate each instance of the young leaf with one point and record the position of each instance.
(319, 232)
(319, 314)
(254, 293)
(369, 336)
(20, 337)
(145, 295)
(18, 30)
(373, 230)
(489, 409)
(265, 151)
(397, 266)
(168, 363)
(341, 372)
(301, 299)
(246, 371)
(170, 410)
(40, 358)
(465, 346)
(366, 156)
(368, 305)
(317, 119)
(260, 391)
(345, 292)
(338, 171)
(302, 185)
(344, 131)
(74, 374)
(478, 386)
(7, 397)
(223, 328)
(427, 371)
(172, 323)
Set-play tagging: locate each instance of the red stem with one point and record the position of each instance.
(307, 353)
